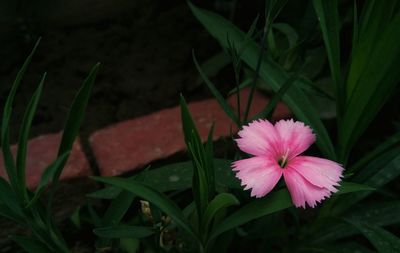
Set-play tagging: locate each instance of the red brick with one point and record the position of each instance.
(131, 144)
(42, 151)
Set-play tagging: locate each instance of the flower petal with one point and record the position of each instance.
(318, 171)
(295, 135)
(259, 174)
(259, 138)
(302, 191)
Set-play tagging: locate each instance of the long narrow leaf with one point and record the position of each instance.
(328, 16)
(124, 231)
(76, 115)
(271, 73)
(5, 143)
(274, 202)
(220, 99)
(220, 202)
(30, 245)
(24, 135)
(157, 198)
(384, 241)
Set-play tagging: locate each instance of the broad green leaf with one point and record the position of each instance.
(5, 142)
(157, 198)
(384, 241)
(124, 231)
(75, 116)
(328, 16)
(30, 245)
(257, 208)
(270, 72)
(220, 202)
(24, 135)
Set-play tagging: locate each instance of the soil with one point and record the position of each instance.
(146, 59)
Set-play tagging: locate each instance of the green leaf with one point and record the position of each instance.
(124, 231)
(269, 109)
(175, 177)
(5, 142)
(75, 116)
(328, 16)
(9, 198)
(213, 65)
(346, 247)
(24, 135)
(271, 73)
(383, 147)
(117, 209)
(157, 198)
(373, 75)
(30, 245)
(220, 99)
(379, 213)
(384, 241)
(379, 172)
(48, 175)
(258, 208)
(348, 187)
(201, 173)
(220, 202)
(7, 213)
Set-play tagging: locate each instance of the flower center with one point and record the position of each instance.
(283, 160)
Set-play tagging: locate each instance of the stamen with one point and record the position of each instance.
(284, 159)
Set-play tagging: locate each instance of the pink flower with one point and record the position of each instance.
(276, 150)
